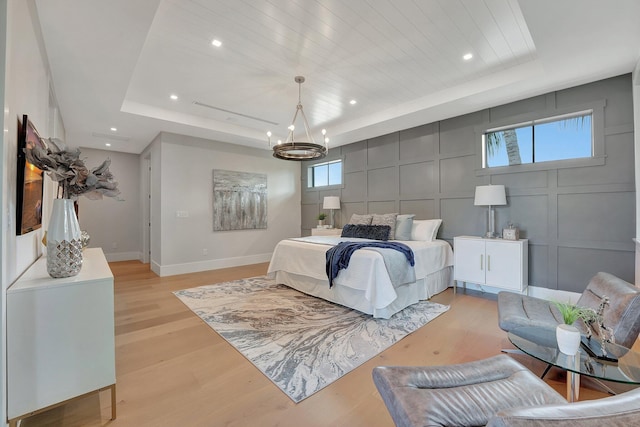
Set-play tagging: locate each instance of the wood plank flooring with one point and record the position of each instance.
(174, 370)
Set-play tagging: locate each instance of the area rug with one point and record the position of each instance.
(301, 343)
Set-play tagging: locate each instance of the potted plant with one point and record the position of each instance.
(321, 218)
(567, 334)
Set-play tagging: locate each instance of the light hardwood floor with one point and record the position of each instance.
(174, 370)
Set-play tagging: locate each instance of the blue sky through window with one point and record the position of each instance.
(335, 173)
(323, 174)
(557, 140)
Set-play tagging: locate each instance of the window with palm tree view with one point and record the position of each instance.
(565, 137)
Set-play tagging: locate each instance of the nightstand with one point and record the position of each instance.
(497, 263)
(326, 231)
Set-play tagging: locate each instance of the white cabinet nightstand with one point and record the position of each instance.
(497, 263)
(326, 231)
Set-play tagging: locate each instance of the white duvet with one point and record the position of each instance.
(367, 272)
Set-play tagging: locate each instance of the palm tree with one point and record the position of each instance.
(495, 139)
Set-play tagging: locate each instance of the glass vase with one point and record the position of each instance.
(64, 240)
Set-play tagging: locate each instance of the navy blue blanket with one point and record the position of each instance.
(338, 257)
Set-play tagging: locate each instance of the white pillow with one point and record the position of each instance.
(425, 229)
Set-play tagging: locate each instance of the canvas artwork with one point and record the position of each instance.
(29, 181)
(239, 200)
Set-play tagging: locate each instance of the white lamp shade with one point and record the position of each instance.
(331, 202)
(490, 195)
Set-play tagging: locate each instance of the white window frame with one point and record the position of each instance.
(311, 168)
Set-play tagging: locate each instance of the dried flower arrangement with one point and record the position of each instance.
(67, 169)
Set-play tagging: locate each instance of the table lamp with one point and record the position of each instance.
(331, 202)
(490, 195)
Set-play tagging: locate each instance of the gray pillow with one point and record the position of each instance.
(376, 232)
(404, 223)
(361, 219)
(386, 219)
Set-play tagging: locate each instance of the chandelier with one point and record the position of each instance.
(292, 149)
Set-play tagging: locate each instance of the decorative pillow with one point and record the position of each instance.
(425, 229)
(376, 232)
(360, 219)
(386, 219)
(404, 223)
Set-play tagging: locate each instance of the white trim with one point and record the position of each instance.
(553, 294)
(534, 291)
(214, 264)
(123, 256)
(155, 267)
(635, 75)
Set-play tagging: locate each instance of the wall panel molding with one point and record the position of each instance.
(579, 216)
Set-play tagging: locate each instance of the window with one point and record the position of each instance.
(324, 174)
(565, 137)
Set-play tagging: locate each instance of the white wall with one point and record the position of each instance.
(3, 198)
(186, 184)
(114, 225)
(151, 209)
(26, 90)
(636, 124)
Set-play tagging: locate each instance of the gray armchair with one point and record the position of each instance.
(622, 315)
(622, 410)
(497, 392)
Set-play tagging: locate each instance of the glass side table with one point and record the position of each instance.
(540, 343)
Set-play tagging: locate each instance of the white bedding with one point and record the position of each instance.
(302, 261)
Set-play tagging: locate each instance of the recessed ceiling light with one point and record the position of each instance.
(467, 56)
(353, 102)
(174, 97)
(107, 144)
(114, 129)
(216, 42)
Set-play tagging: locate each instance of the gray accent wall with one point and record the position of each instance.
(579, 216)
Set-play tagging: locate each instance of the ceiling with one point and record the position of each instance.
(114, 63)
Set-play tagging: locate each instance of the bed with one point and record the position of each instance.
(365, 285)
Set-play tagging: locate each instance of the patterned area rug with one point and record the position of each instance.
(299, 342)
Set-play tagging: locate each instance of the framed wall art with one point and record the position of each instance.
(239, 200)
(29, 181)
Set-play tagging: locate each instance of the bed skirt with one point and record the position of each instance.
(408, 294)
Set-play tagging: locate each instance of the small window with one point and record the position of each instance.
(325, 174)
(556, 138)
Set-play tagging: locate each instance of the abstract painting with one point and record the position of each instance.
(239, 200)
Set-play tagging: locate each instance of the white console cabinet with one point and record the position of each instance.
(496, 263)
(60, 337)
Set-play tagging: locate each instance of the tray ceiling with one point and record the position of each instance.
(115, 63)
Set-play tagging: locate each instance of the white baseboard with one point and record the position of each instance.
(122, 256)
(637, 269)
(553, 294)
(155, 267)
(213, 264)
(534, 291)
